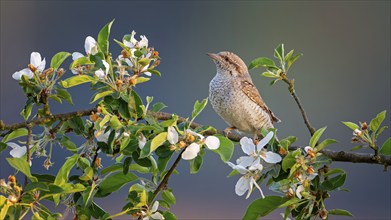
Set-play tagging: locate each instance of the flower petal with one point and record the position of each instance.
(264, 141)
(141, 141)
(148, 73)
(128, 44)
(35, 59)
(89, 44)
(143, 42)
(17, 151)
(100, 74)
(212, 142)
(299, 190)
(157, 215)
(271, 157)
(155, 206)
(172, 135)
(242, 170)
(102, 137)
(132, 39)
(107, 66)
(194, 133)
(191, 151)
(247, 145)
(258, 187)
(308, 148)
(256, 165)
(242, 186)
(76, 55)
(42, 65)
(245, 161)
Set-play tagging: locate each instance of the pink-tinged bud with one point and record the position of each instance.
(357, 132)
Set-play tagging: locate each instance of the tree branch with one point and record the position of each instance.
(334, 155)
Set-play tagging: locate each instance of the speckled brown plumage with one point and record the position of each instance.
(235, 98)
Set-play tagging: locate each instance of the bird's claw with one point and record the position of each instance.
(228, 130)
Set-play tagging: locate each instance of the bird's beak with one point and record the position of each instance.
(213, 56)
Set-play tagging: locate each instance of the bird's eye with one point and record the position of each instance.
(226, 59)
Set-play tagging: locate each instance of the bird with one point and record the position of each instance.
(235, 98)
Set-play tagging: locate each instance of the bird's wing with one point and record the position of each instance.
(252, 92)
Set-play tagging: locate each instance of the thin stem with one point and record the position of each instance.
(28, 143)
(291, 88)
(164, 182)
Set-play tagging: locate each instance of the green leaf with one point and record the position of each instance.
(3, 146)
(103, 38)
(15, 134)
(157, 107)
(195, 164)
(169, 197)
(290, 159)
(144, 61)
(325, 143)
(226, 148)
(351, 125)
(76, 80)
(99, 95)
(261, 62)
(55, 98)
(315, 137)
(58, 59)
(63, 173)
(356, 148)
(26, 112)
(64, 94)
(82, 61)
(269, 75)
(115, 123)
(288, 55)
(292, 59)
(158, 141)
(334, 183)
(340, 212)
(114, 182)
(279, 52)
(198, 107)
(23, 166)
(261, 207)
(68, 144)
(155, 72)
(169, 216)
(88, 174)
(386, 148)
(142, 79)
(375, 123)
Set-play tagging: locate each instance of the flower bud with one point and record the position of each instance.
(12, 179)
(357, 132)
(32, 68)
(99, 109)
(190, 138)
(47, 163)
(172, 147)
(155, 54)
(60, 72)
(126, 134)
(282, 151)
(47, 72)
(310, 170)
(290, 193)
(133, 81)
(97, 162)
(12, 198)
(323, 214)
(181, 144)
(364, 126)
(94, 117)
(3, 183)
(17, 189)
(119, 83)
(125, 54)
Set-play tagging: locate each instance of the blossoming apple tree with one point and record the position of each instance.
(143, 140)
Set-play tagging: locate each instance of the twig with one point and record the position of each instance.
(28, 143)
(163, 183)
(291, 88)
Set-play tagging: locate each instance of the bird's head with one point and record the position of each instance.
(229, 63)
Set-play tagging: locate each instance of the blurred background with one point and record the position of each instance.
(344, 75)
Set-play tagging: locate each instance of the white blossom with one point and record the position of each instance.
(172, 135)
(77, 55)
(191, 152)
(36, 62)
(141, 141)
(152, 213)
(90, 46)
(253, 151)
(17, 150)
(299, 190)
(100, 73)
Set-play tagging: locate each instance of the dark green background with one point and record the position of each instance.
(344, 75)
